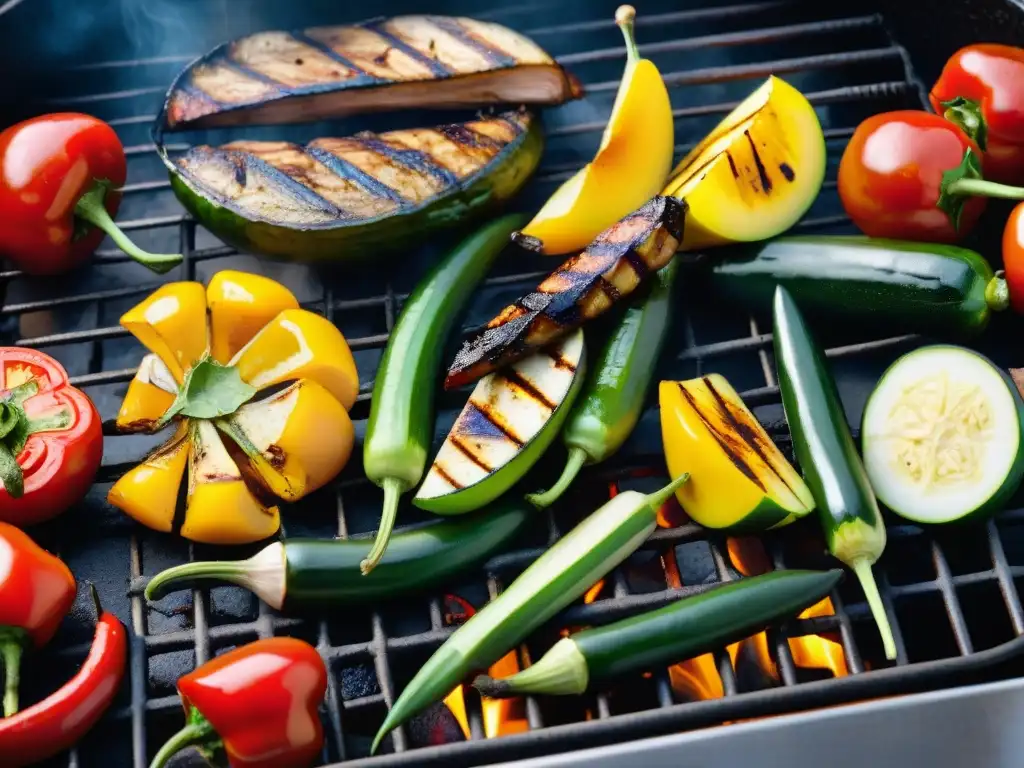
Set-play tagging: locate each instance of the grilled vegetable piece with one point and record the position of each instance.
(942, 436)
(898, 284)
(739, 479)
(383, 64)
(680, 630)
(299, 573)
(847, 509)
(510, 420)
(756, 173)
(334, 198)
(582, 288)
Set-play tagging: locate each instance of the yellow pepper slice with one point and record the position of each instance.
(149, 395)
(240, 305)
(298, 344)
(171, 323)
(220, 508)
(148, 493)
(296, 440)
(630, 167)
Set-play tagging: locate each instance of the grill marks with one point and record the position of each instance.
(267, 66)
(346, 179)
(582, 288)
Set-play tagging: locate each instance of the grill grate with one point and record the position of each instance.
(952, 598)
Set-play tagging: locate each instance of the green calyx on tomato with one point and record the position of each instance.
(966, 113)
(15, 428)
(951, 199)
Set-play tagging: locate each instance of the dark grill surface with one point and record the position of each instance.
(951, 594)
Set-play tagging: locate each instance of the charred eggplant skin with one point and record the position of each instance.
(348, 238)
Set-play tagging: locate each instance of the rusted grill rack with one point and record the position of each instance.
(952, 598)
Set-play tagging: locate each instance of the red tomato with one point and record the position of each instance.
(892, 177)
(1013, 257)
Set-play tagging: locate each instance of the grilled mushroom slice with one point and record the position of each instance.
(406, 61)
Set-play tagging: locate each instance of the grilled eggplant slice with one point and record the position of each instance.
(407, 61)
(585, 286)
(334, 198)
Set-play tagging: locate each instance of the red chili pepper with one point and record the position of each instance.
(59, 181)
(259, 701)
(915, 176)
(51, 438)
(36, 591)
(981, 89)
(64, 717)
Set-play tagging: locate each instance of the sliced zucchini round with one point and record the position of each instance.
(941, 436)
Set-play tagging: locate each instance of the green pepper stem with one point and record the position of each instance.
(624, 17)
(561, 671)
(393, 488)
(577, 458)
(656, 499)
(984, 188)
(90, 208)
(862, 568)
(264, 574)
(10, 655)
(997, 293)
(196, 732)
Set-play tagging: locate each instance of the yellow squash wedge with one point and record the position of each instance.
(739, 479)
(756, 173)
(240, 305)
(629, 169)
(148, 493)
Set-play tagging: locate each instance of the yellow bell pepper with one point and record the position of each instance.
(212, 351)
(629, 169)
(739, 479)
(756, 173)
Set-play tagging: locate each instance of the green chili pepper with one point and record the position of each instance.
(555, 579)
(402, 406)
(302, 572)
(612, 400)
(828, 456)
(680, 630)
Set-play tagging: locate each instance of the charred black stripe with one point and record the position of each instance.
(412, 159)
(748, 433)
(332, 54)
(636, 261)
(435, 66)
(192, 92)
(460, 134)
(787, 171)
(762, 172)
(468, 452)
(608, 289)
(485, 413)
(673, 216)
(439, 468)
(514, 378)
(722, 441)
(347, 170)
(561, 362)
(732, 165)
(247, 71)
(496, 56)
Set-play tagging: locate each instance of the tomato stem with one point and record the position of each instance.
(10, 662)
(984, 188)
(90, 208)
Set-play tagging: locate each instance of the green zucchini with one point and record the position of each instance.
(680, 630)
(824, 447)
(341, 199)
(298, 573)
(899, 285)
(942, 436)
(512, 417)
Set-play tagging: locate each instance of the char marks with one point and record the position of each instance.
(762, 172)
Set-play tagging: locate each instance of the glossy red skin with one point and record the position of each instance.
(36, 588)
(64, 717)
(59, 466)
(1013, 257)
(891, 173)
(262, 700)
(46, 164)
(993, 76)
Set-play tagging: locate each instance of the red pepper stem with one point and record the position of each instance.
(10, 661)
(198, 731)
(984, 188)
(393, 488)
(90, 208)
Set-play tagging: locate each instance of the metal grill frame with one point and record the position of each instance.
(382, 648)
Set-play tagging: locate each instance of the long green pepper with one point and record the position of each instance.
(613, 396)
(401, 422)
(559, 576)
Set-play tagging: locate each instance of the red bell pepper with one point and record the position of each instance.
(64, 717)
(51, 438)
(981, 89)
(36, 591)
(259, 702)
(59, 181)
(915, 176)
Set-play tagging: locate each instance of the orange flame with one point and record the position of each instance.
(501, 716)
